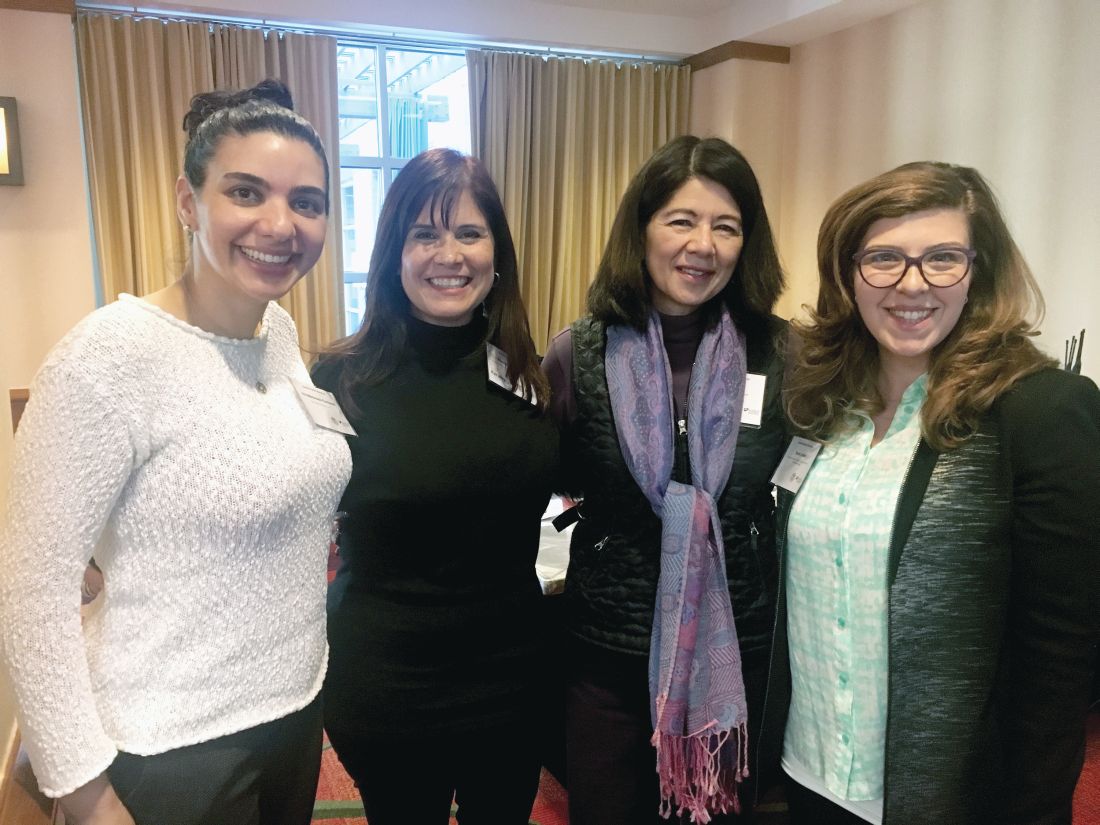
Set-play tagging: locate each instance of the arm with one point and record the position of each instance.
(558, 368)
(95, 804)
(325, 373)
(73, 456)
(1051, 426)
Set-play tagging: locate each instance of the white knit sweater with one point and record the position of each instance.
(185, 463)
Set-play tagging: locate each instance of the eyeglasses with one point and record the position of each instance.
(882, 268)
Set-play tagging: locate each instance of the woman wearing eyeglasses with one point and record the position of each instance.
(942, 557)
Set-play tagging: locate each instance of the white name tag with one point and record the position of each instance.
(794, 467)
(498, 374)
(322, 407)
(753, 410)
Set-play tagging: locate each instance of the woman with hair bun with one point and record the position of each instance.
(166, 435)
(935, 650)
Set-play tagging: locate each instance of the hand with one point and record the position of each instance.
(95, 803)
(92, 584)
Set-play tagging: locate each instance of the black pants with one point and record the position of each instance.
(611, 767)
(493, 776)
(809, 808)
(266, 775)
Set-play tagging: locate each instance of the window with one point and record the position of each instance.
(394, 104)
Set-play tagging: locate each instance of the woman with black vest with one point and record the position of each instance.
(942, 556)
(667, 394)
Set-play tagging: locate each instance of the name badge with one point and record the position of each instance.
(795, 466)
(322, 407)
(498, 374)
(753, 410)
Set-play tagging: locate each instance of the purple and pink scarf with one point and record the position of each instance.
(696, 689)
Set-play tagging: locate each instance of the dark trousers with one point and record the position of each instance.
(266, 775)
(611, 767)
(809, 808)
(492, 775)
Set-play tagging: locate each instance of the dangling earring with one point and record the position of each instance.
(496, 278)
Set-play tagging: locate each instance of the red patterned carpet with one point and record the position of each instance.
(1086, 800)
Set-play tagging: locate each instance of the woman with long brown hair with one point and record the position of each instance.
(942, 555)
(434, 614)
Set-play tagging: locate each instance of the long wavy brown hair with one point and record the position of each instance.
(437, 177)
(990, 348)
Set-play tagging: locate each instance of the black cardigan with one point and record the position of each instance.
(993, 615)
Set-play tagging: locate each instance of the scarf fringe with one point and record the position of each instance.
(699, 774)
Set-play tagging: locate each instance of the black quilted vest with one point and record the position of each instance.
(615, 549)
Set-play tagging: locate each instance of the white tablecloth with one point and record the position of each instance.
(553, 558)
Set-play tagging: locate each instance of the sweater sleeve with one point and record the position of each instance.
(558, 367)
(1052, 428)
(73, 456)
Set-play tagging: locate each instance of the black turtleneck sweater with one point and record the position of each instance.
(434, 613)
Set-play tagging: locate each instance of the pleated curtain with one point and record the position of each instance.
(137, 79)
(562, 138)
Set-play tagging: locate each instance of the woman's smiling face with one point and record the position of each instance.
(447, 271)
(910, 318)
(259, 219)
(692, 244)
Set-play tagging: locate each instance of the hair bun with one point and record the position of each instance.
(205, 104)
(270, 89)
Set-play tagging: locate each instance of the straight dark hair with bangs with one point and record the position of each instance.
(620, 293)
(436, 178)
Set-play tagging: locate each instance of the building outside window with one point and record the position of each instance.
(394, 104)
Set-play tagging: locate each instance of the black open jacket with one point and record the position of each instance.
(994, 575)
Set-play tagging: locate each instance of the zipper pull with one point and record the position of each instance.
(683, 426)
(753, 533)
(599, 545)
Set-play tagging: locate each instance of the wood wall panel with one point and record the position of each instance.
(59, 6)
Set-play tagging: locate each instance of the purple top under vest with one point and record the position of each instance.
(682, 334)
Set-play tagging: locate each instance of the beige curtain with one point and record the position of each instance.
(562, 137)
(137, 80)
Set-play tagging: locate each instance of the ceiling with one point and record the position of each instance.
(663, 28)
(775, 22)
(676, 8)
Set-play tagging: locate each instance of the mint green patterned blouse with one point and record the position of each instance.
(838, 540)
